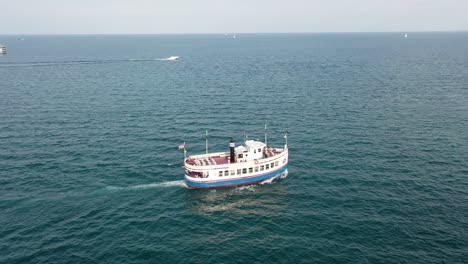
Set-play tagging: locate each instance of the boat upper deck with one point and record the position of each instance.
(222, 158)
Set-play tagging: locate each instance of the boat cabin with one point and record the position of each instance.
(252, 150)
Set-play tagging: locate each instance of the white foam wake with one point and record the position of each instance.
(179, 183)
(280, 176)
(246, 187)
(284, 174)
(269, 180)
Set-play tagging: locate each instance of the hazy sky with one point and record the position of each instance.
(226, 16)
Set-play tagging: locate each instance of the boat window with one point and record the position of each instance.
(238, 171)
(250, 170)
(233, 172)
(256, 169)
(255, 150)
(261, 168)
(259, 150)
(241, 156)
(244, 170)
(267, 166)
(272, 164)
(226, 173)
(276, 163)
(220, 173)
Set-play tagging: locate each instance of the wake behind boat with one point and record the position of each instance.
(246, 164)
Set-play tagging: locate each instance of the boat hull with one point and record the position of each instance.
(240, 181)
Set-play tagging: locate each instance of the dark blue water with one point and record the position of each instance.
(90, 171)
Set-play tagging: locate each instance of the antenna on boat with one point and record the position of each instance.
(206, 141)
(266, 135)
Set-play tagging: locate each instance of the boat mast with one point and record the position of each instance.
(206, 141)
(266, 135)
(286, 138)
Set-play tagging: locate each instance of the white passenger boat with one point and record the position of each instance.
(252, 162)
(2, 49)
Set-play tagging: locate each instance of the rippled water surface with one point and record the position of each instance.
(90, 171)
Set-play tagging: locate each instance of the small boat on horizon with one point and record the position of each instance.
(171, 58)
(250, 163)
(406, 35)
(2, 49)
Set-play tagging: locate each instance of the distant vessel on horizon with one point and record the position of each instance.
(406, 35)
(2, 49)
(172, 58)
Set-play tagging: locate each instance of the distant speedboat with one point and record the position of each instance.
(172, 58)
(2, 49)
(406, 35)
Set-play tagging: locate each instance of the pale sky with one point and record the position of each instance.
(229, 16)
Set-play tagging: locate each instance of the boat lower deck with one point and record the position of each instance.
(192, 183)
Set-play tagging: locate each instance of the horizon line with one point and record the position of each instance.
(233, 33)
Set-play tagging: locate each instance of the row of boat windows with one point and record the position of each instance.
(250, 170)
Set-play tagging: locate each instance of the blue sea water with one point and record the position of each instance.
(378, 173)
